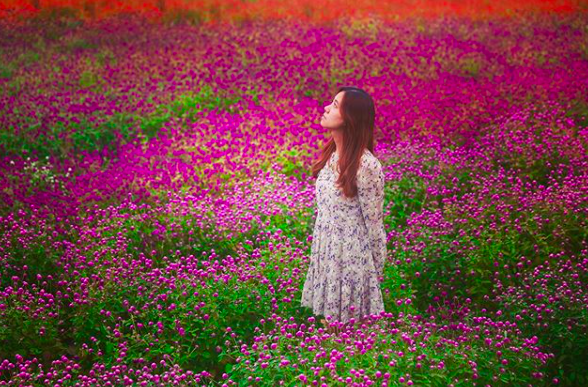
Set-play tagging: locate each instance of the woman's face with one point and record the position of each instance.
(332, 118)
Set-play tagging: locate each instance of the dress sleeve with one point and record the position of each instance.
(370, 187)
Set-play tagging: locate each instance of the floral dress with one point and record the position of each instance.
(348, 245)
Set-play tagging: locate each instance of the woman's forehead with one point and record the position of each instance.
(339, 96)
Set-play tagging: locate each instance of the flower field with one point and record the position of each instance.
(157, 208)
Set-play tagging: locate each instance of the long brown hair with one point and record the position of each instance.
(358, 113)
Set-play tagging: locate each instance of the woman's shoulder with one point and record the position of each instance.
(370, 161)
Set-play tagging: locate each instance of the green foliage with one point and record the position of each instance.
(15, 86)
(63, 16)
(69, 139)
(187, 16)
(403, 198)
(432, 360)
(584, 47)
(579, 113)
(28, 57)
(535, 147)
(55, 22)
(185, 106)
(305, 88)
(366, 28)
(6, 70)
(463, 263)
(254, 92)
(83, 136)
(140, 229)
(39, 256)
(77, 45)
(396, 290)
(192, 317)
(470, 67)
(292, 162)
(297, 225)
(27, 334)
(151, 124)
(86, 137)
(334, 74)
(106, 56)
(20, 142)
(61, 140)
(88, 79)
(544, 58)
(188, 104)
(545, 305)
(24, 59)
(183, 315)
(30, 329)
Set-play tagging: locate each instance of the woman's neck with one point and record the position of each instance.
(338, 141)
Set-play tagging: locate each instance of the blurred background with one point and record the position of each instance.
(322, 10)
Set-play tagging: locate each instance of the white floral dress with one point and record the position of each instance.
(348, 245)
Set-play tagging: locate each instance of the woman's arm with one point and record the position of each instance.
(370, 186)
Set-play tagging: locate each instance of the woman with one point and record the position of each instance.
(349, 241)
